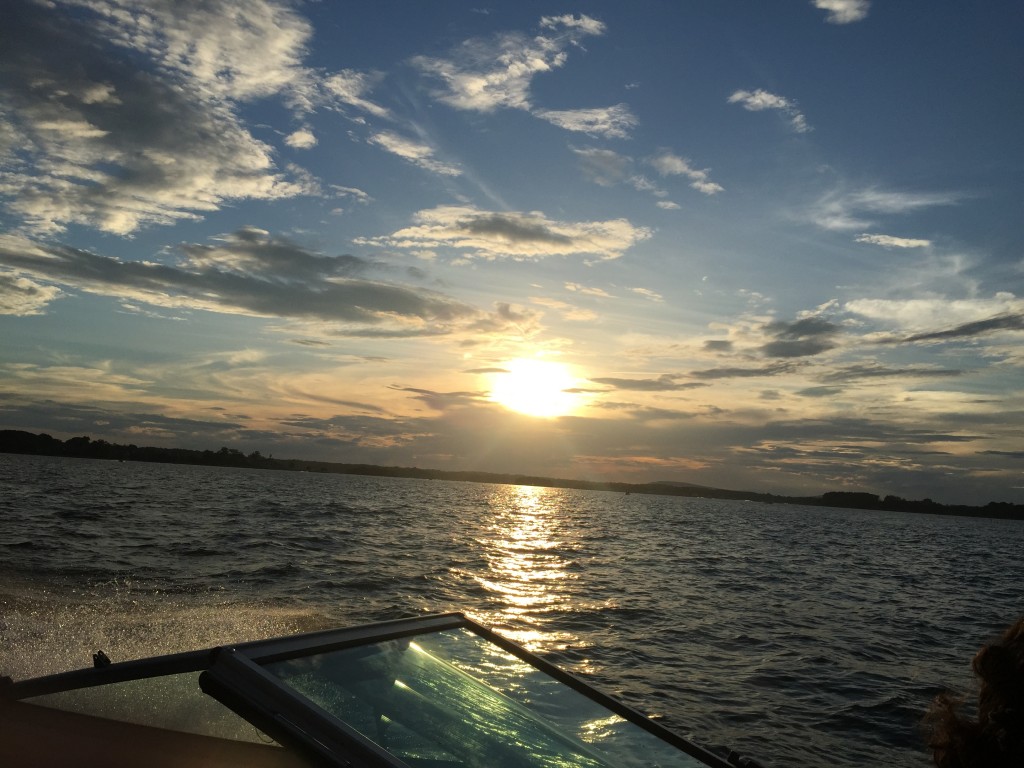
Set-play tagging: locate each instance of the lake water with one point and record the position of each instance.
(802, 636)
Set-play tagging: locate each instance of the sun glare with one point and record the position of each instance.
(535, 388)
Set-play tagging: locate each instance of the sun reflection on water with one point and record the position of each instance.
(528, 563)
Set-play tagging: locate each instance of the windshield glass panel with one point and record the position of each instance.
(451, 698)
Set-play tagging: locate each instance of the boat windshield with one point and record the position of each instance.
(451, 697)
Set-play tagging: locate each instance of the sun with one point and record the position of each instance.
(535, 387)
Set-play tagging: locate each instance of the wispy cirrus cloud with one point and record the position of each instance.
(350, 88)
(610, 122)
(483, 75)
(759, 100)
(910, 318)
(670, 164)
(666, 382)
(568, 311)
(842, 210)
(871, 370)
(890, 241)
(414, 152)
(603, 167)
(491, 235)
(844, 11)
(738, 372)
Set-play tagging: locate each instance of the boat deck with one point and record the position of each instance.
(41, 737)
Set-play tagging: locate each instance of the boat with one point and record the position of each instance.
(438, 691)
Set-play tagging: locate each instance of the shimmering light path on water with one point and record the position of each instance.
(803, 636)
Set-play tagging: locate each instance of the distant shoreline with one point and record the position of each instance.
(20, 442)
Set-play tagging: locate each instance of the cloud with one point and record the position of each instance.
(416, 153)
(718, 345)
(977, 328)
(888, 241)
(21, 296)
(515, 235)
(846, 210)
(756, 101)
(610, 122)
(603, 166)
(1007, 454)
(443, 401)
(920, 317)
(801, 338)
(648, 294)
(775, 369)
(301, 139)
(485, 75)
(667, 382)
(877, 371)
(668, 205)
(253, 273)
(669, 164)
(222, 49)
(844, 11)
(583, 23)
(588, 290)
(135, 122)
(349, 87)
(568, 311)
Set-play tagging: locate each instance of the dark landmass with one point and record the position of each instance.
(16, 441)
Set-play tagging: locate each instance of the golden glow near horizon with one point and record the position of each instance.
(535, 387)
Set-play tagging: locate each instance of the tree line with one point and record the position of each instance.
(17, 441)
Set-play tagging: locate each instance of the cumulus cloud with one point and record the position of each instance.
(414, 152)
(135, 122)
(252, 273)
(889, 241)
(756, 101)
(669, 164)
(490, 235)
(301, 139)
(844, 11)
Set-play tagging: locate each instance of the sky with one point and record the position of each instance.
(764, 246)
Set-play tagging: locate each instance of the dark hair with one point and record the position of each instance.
(996, 738)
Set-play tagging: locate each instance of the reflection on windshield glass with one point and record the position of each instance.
(452, 699)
